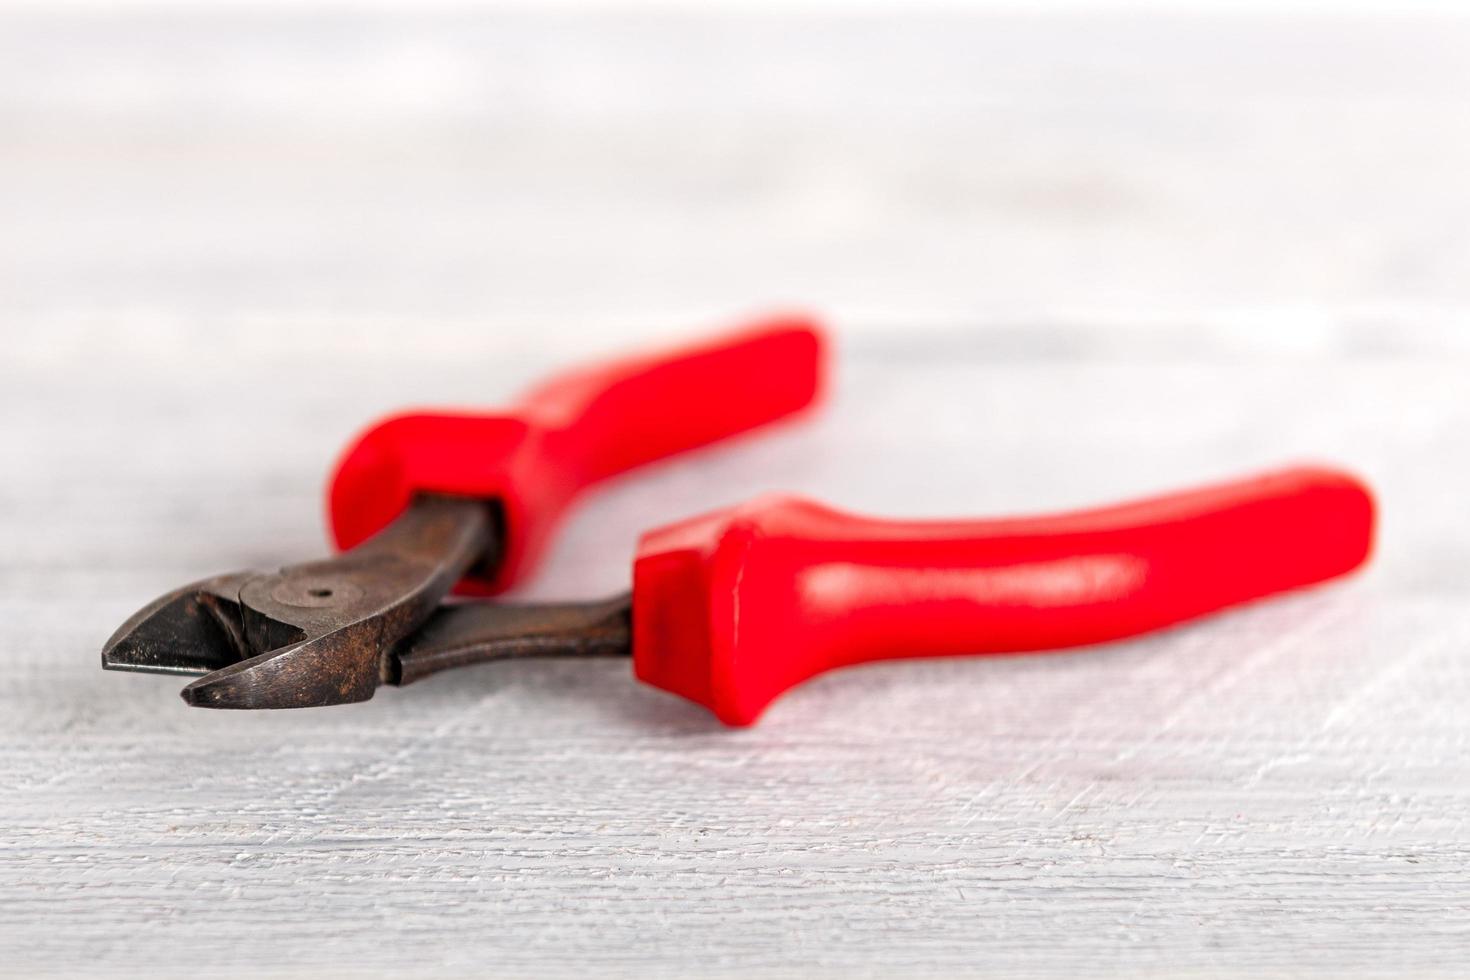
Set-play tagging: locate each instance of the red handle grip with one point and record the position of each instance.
(572, 431)
(733, 608)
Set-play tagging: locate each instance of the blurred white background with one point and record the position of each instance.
(1282, 177)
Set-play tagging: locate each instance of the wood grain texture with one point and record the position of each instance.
(1084, 287)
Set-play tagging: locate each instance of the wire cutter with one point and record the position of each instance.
(728, 609)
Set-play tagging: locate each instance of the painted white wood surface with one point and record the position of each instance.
(1067, 259)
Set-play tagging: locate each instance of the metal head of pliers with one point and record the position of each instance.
(331, 631)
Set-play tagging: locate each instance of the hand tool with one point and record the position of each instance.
(728, 609)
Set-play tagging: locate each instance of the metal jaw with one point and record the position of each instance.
(329, 632)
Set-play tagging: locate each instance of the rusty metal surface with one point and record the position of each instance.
(331, 631)
(312, 634)
(194, 629)
(468, 633)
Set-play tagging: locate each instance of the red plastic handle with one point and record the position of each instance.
(733, 608)
(571, 432)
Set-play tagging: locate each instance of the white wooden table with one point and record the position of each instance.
(1067, 259)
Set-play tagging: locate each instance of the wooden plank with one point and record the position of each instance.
(1279, 790)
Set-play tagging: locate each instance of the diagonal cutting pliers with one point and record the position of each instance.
(728, 609)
